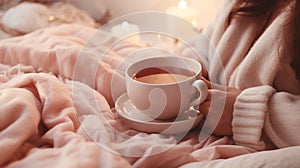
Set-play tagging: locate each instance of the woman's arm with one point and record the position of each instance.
(262, 110)
(254, 115)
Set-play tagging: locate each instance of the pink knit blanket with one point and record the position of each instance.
(57, 94)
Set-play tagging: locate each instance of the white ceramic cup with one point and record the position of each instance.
(166, 100)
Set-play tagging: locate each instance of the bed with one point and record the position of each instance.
(58, 87)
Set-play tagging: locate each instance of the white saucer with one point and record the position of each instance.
(141, 122)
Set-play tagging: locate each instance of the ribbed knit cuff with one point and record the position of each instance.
(249, 114)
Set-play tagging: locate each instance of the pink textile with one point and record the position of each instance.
(57, 95)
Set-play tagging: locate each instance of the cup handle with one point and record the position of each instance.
(202, 90)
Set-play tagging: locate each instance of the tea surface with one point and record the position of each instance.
(165, 75)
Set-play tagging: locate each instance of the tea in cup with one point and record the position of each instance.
(165, 87)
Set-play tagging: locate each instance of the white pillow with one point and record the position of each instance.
(28, 17)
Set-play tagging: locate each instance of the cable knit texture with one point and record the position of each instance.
(249, 114)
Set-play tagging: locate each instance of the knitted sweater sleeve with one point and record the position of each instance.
(261, 109)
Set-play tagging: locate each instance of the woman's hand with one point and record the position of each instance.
(223, 99)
